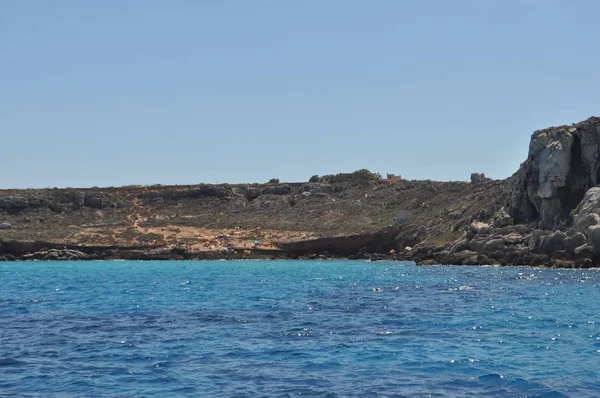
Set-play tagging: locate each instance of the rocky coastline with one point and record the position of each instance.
(546, 214)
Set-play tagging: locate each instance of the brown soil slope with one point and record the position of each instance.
(429, 212)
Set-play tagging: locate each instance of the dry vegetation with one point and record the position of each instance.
(195, 214)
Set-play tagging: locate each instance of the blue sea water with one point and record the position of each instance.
(297, 329)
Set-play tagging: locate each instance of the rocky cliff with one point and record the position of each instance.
(563, 163)
(551, 212)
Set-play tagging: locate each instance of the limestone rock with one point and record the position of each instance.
(477, 244)
(538, 259)
(502, 219)
(574, 241)
(460, 245)
(535, 240)
(479, 178)
(552, 243)
(480, 227)
(465, 257)
(584, 256)
(493, 245)
(594, 238)
(56, 254)
(587, 211)
(514, 238)
(562, 164)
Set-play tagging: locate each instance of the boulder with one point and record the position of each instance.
(5, 225)
(479, 178)
(538, 259)
(459, 246)
(551, 243)
(517, 229)
(493, 245)
(514, 256)
(594, 238)
(13, 205)
(465, 257)
(574, 241)
(282, 189)
(536, 236)
(586, 214)
(480, 227)
(94, 200)
(477, 244)
(585, 250)
(584, 256)
(502, 219)
(514, 238)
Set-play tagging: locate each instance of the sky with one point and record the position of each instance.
(119, 92)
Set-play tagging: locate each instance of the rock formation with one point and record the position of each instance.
(563, 163)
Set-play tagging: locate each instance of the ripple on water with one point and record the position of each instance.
(277, 329)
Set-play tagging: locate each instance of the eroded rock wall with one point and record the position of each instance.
(563, 163)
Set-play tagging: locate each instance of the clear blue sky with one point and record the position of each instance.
(119, 92)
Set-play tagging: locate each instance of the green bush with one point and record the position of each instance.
(575, 211)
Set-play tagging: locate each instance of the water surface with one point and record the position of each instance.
(288, 329)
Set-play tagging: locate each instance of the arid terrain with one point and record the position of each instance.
(547, 213)
(244, 217)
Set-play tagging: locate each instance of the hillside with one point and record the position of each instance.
(268, 213)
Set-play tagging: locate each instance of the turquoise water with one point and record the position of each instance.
(288, 329)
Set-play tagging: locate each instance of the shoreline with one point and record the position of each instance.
(56, 254)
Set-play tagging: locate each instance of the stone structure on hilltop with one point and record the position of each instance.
(563, 163)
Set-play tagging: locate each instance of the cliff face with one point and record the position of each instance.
(551, 213)
(563, 163)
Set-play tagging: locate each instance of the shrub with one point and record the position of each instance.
(274, 181)
(575, 211)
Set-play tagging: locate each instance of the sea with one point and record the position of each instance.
(296, 329)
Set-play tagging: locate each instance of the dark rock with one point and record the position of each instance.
(277, 190)
(13, 205)
(93, 200)
(465, 257)
(482, 259)
(594, 238)
(493, 245)
(251, 194)
(574, 241)
(538, 259)
(551, 243)
(535, 242)
(584, 263)
(479, 178)
(559, 255)
(502, 219)
(459, 246)
(584, 255)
